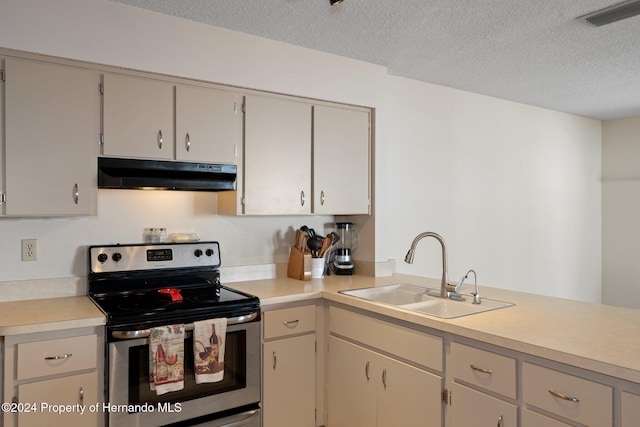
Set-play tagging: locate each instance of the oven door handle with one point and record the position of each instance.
(144, 333)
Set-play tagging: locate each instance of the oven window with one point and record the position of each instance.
(235, 372)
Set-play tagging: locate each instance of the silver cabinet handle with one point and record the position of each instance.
(275, 360)
(60, 357)
(384, 377)
(500, 421)
(322, 198)
(366, 370)
(563, 396)
(160, 139)
(291, 323)
(81, 396)
(484, 371)
(187, 141)
(302, 198)
(76, 193)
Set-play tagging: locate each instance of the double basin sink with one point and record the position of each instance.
(422, 300)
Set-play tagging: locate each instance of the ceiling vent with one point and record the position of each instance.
(614, 13)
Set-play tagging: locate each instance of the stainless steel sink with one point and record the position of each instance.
(424, 300)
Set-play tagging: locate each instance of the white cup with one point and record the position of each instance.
(317, 268)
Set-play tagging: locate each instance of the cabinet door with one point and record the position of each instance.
(277, 157)
(341, 159)
(78, 391)
(289, 382)
(351, 385)
(533, 419)
(137, 118)
(468, 407)
(629, 410)
(407, 396)
(52, 119)
(208, 125)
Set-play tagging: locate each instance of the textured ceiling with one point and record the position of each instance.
(528, 51)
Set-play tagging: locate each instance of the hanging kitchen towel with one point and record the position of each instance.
(209, 337)
(166, 358)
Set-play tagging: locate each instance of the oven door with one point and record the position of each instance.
(128, 382)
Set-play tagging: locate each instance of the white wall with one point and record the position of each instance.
(621, 212)
(513, 189)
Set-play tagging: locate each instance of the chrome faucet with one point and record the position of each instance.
(444, 293)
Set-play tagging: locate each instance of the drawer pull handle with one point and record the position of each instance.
(500, 421)
(366, 370)
(64, 356)
(81, 396)
(160, 139)
(484, 371)
(275, 360)
(563, 397)
(291, 323)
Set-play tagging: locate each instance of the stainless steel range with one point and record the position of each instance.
(142, 287)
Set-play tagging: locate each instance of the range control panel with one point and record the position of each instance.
(116, 258)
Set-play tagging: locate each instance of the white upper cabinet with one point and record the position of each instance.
(341, 161)
(301, 159)
(52, 122)
(208, 124)
(277, 157)
(137, 118)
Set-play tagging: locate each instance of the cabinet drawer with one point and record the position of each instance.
(418, 347)
(57, 356)
(577, 399)
(484, 369)
(289, 321)
(533, 419)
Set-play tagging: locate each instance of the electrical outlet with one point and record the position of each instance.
(29, 250)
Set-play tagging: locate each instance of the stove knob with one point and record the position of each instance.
(103, 258)
(116, 256)
(209, 252)
(198, 253)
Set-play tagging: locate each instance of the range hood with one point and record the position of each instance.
(116, 173)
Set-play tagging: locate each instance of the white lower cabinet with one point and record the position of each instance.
(289, 368)
(383, 372)
(533, 419)
(370, 389)
(479, 384)
(468, 407)
(629, 409)
(54, 378)
(73, 393)
(380, 373)
(574, 398)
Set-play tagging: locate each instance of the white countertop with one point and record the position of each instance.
(39, 315)
(597, 337)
